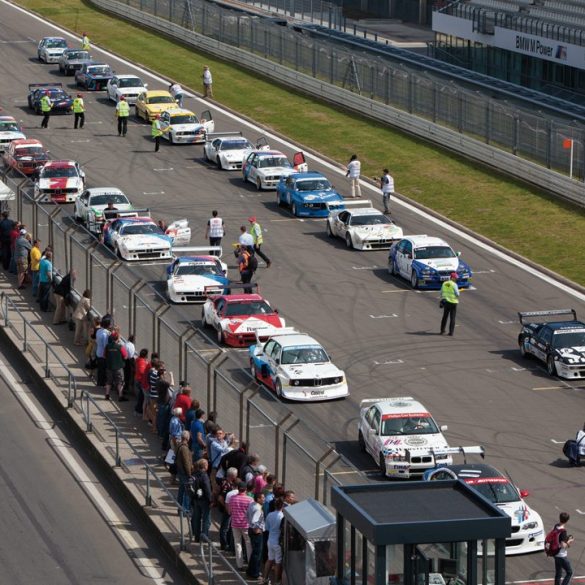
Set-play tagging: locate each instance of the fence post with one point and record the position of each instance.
(277, 440)
(549, 141)
(24, 341)
(88, 264)
(132, 303)
(215, 361)
(183, 339)
(242, 393)
(47, 371)
(148, 496)
(488, 121)
(5, 299)
(516, 135)
(110, 285)
(118, 460)
(158, 313)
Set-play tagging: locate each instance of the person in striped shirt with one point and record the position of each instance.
(238, 508)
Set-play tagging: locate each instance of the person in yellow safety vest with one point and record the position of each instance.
(449, 302)
(122, 113)
(85, 45)
(78, 108)
(256, 232)
(157, 131)
(46, 107)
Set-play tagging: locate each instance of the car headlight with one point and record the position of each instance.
(395, 457)
(295, 382)
(338, 380)
(428, 271)
(441, 457)
(529, 526)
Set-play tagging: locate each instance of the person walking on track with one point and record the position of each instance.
(78, 108)
(122, 113)
(207, 83)
(449, 302)
(46, 107)
(387, 188)
(85, 44)
(354, 168)
(215, 229)
(157, 131)
(256, 231)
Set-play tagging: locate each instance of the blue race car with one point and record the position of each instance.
(307, 194)
(93, 76)
(62, 102)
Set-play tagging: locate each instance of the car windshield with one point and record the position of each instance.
(254, 308)
(140, 228)
(99, 70)
(35, 151)
(314, 185)
(234, 145)
(129, 82)
(408, 424)
(197, 270)
(57, 94)
(77, 55)
(273, 161)
(569, 338)
(59, 172)
(311, 354)
(184, 119)
(161, 99)
(357, 220)
(107, 197)
(56, 44)
(434, 252)
(8, 127)
(497, 491)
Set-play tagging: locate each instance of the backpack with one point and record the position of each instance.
(196, 487)
(253, 263)
(552, 543)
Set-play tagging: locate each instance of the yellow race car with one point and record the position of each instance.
(153, 102)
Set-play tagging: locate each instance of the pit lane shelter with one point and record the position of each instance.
(418, 533)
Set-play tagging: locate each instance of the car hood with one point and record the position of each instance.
(398, 443)
(232, 154)
(251, 323)
(572, 355)
(133, 242)
(316, 196)
(375, 232)
(195, 282)
(441, 264)
(157, 108)
(322, 370)
(61, 183)
(276, 171)
(186, 127)
(125, 90)
(11, 135)
(519, 512)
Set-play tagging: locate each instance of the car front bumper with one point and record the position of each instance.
(570, 371)
(146, 254)
(414, 468)
(312, 394)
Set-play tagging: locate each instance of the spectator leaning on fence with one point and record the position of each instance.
(80, 317)
(45, 280)
(35, 261)
(63, 297)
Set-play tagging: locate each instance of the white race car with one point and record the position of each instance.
(192, 278)
(182, 126)
(9, 130)
(297, 367)
(92, 203)
(264, 168)
(363, 227)
(402, 437)
(60, 181)
(50, 49)
(226, 150)
(129, 86)
(140, 238)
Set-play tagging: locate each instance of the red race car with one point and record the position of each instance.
(26, 156)
(239, 319)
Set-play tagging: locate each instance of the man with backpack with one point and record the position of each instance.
(557, 544)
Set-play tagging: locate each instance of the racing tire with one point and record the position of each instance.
(348, 241)
(117, 250)
(278, 388)
(204, 322)
(293, 209)
(258, 185)
(219, 164)
(551, 367)
(382, 464)
(220, 337)
(278, 199)
(393, 270)
(171, 141)
(77, 218)
(206, 156)
(523, 352)
(413, 280)
(330, 234)
(361, 442)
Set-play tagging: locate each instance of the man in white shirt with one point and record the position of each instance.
(215, 229)
(387, 187)
(354, 168)
(177, 92)
(581, 441)
(207, 83)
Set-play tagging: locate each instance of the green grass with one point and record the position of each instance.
(519, 217)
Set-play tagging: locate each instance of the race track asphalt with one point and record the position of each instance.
(382, 333)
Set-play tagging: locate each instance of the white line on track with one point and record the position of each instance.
(163, 170)
(557, 442)
(383, 316)
(483, 272)
(75, 141)
(505, 322)
(374, 267)
(551, 579)
(388, 363)
(64, 450)
(153, 193)
(338, 171)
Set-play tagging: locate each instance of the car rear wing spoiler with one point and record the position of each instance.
(208, 250)
(526, 315)
(281, 331)
(370, 401)
(129, 213)
(32, 86)
(336, 205)
(471, 450)
(209, 136)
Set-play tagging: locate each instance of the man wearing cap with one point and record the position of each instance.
(78, 108)
(207, 82)
(115, 355)
(46, 107)
(449, 302)
(157, 131)
(122, 113)
(256, 232)
(238, 508)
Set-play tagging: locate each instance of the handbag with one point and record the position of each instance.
(170, 457)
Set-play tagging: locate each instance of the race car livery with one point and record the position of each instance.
(9, 130)
(265, 168)
(559, 344)
(61, 101)
(26, 156)
(527, 527)
(296, 367)
(153, 102)
(140, 238)
(129, 86)
(90, 206)
(363, 227)
(240, 319)
(307, 194)
(50, 49)
(402, 437)
(93, 76)
(427, 262)
(182, 126)
(73, 59)
(226, 150)
(60, 181)
(191, 279)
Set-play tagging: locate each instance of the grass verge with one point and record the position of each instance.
(540, 227)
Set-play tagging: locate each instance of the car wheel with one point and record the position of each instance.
(361, 442)
(206, 155)
(382, 464)
(393, 268)
(278, 388)
(278, 199)
(522, 348)
(204, 322)
(294, 209)
(118, 253)
(253, 369)
(348, 241)
(219, 164)
(413, 280)
(551, 367)
(329, 231)
(259, 184)
(171, 141)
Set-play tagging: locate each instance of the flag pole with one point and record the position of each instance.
(571, 163)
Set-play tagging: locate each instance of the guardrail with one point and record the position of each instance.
(485, 130)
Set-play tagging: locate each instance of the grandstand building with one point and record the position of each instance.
(535, 43)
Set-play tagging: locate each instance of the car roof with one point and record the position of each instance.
(105, 191)
(157, 92)
(308, 175)
(559, 325)
(179, 111)
(401, 405)
(295, 339)
(472, 470)
(422, 241)
(364, 211)
(61, 163)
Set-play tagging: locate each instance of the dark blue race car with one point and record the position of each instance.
(61, 101)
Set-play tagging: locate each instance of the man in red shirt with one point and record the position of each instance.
(183, 401)
(238, 508)
(141, 380)
(14, 234)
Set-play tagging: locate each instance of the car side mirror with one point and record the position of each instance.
(443, 428)
(276, 311)
(524, 493)
(458, 254)
(277, 361)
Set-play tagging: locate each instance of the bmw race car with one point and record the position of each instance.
(296, 367)
(93, 76)
(9, 130)
(559, 344)
(26, 156)
(73, 59)
(362, 226)
(90, 207)
(62, 102)
(307, 194)
(226, 149)
(240, 319)
(265, 167)
(193, 278)
(427, 262)
(527, 527)
(50, 49)
(153, 102)
(182, 126)
(60, 181)
(129, 86)
(133, 236)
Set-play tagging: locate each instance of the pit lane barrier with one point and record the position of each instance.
(520, 129)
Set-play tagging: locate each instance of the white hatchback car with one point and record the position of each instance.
(129, 86)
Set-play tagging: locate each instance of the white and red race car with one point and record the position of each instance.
(240, 319)
(60, 181)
